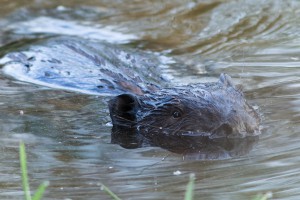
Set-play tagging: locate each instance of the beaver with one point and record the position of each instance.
(144, 101)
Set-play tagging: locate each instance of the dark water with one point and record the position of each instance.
(67, 134)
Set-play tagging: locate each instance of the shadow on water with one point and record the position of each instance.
(191, 147)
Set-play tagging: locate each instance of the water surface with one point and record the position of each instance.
(67, 134)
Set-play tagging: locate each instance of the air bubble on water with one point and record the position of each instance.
(176, 173)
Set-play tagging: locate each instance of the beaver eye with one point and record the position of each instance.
(176, 114)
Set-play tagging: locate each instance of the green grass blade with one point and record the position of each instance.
(23, 164)
(265, 196)
(40, 191)
(108, 191)
(190, 188)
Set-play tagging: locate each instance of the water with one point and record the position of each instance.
(68, 134)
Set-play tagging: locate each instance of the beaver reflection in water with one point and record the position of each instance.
(146, 105)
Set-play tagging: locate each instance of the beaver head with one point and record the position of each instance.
(213, 110)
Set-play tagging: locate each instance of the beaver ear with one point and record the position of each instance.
(123, 109)
(226, 80)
